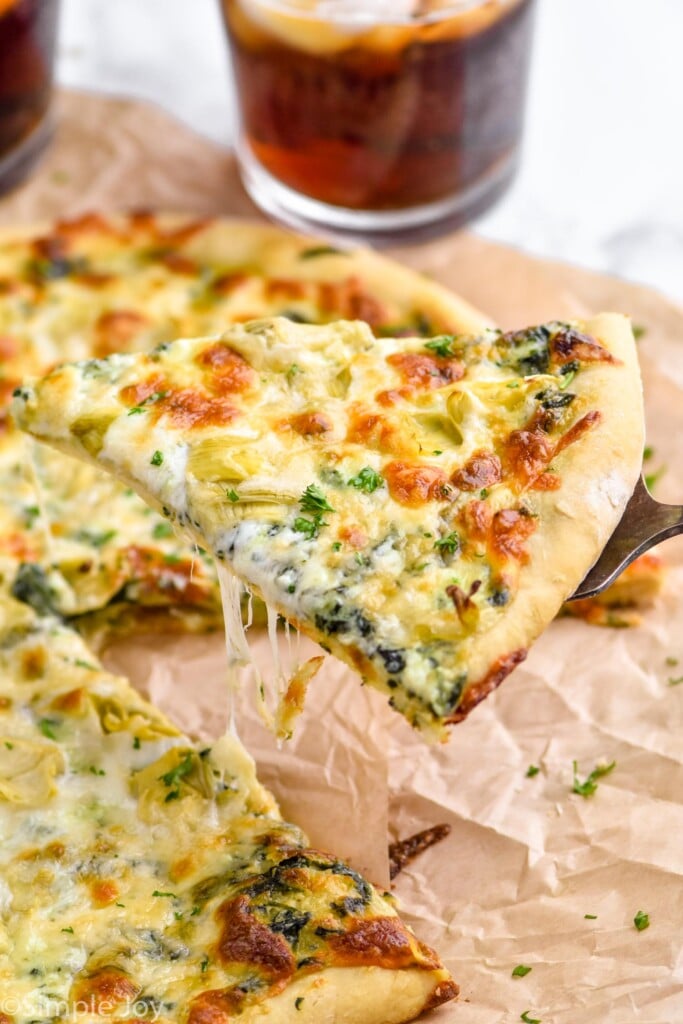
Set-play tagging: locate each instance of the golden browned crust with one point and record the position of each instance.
(478, 691)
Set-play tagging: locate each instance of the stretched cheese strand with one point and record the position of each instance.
(236, 644)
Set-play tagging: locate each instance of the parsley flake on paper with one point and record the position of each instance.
(652, 479)
(521, 971)
(529, 1020)
(641, 921)
(532, 770)
(590, 784)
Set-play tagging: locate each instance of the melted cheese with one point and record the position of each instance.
(93, 286)
(381, 492)
(124, 847)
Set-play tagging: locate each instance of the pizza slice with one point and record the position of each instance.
(144, 877)
(421, 508)
(96, 284)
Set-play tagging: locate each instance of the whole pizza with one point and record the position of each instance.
(413, 488)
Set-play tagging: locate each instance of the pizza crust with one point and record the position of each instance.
(578, 520)
(357, 995)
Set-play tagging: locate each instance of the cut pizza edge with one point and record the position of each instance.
(88, 262)
(285, 256)
(369, 968)
(598, 471)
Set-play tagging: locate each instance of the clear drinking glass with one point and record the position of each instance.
(28, 30)
(379, 118)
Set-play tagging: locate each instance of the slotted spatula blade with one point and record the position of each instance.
(645, 522)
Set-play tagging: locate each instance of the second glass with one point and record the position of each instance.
(387, 118)
(28, 31)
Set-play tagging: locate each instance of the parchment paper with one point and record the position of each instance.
(526, 859)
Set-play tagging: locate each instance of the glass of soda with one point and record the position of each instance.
(28, 30)
(378, 118)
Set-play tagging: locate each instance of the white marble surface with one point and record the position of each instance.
(601, 182)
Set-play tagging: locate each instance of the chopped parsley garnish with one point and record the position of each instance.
(204, 965)
(172, 778)
(320, 250)
(590, 917)
(298, 1002)
(162, 530)
(96, 538)
(195, 911)
(137, 409)
(336, 546)
(307, 527)
(69, 931)
(675, 682)
(94, 770)
(292, 372)
(671, 661)
(648, 452)
(641, 921)
(165, 895)
(450, 543)
(367, 480)
(136, 743)
(639, 331)
(483, 493)
(442, 345)
(532, 770)
(10, 746)
(31, 513)
(314, 501)
(527, 1019)
(157, 458)
(568, 372)
(590, 784)
(521, 971)
(47, 727)
(232, 495)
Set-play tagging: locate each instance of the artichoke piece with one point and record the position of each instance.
(135, 716)
(28, 770)
(217, 459)
(91, 429)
